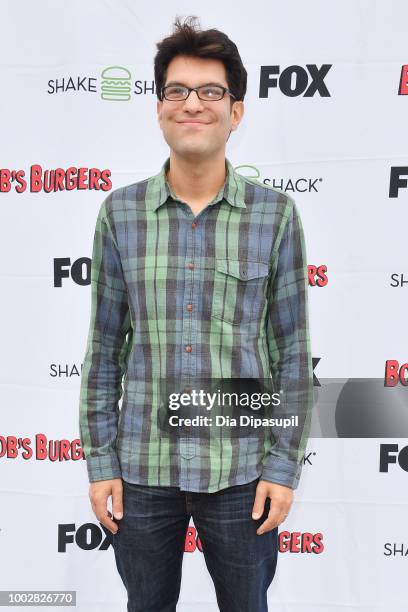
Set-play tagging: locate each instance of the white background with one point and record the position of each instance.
(350, 140)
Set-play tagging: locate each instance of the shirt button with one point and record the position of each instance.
(194, 225)
(190, 266)
(189, 307)
(188, 348)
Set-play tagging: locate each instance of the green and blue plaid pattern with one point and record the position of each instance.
(176, 296)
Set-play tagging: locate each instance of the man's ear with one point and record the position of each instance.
(159, 105)
(237, 113)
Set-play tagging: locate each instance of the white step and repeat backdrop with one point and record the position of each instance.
(326, 120)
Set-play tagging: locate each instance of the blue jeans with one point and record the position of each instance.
(149, 546)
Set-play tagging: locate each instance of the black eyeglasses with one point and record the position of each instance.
(205, 92)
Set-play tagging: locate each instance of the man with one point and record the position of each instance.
(197, 273)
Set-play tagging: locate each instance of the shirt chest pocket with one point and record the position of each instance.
(239, 290)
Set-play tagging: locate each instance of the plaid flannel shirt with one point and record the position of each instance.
(219, 295)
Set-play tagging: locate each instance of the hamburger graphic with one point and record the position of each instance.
(116, 84)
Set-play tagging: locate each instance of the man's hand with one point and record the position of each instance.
(281, 500)
(98, 494)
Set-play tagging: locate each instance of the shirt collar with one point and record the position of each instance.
(232, 191)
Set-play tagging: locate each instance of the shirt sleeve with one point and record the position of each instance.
(290, 358)
(106, 354)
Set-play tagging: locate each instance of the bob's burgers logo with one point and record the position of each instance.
(52, 180)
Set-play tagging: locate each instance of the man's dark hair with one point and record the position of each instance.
(194, 42)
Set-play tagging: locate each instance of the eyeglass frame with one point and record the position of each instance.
(190, 89)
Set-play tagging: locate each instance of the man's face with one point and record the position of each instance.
(217, 118)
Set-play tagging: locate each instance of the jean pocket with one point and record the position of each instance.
(239, 290)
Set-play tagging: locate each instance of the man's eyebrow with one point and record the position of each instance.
(202, 85)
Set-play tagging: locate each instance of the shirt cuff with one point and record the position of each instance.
(281, 471)
(103, 467)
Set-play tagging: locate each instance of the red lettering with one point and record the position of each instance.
(107, 182)
(35, 178)
(40, 447)
(391, 373)
(12, 450)
(403, 374)
(94, 176)
(190, 541)
(403, 90)
(320, 272)
(294, 545)
(5, 184)
(70, 179)
(284, 541)
(76, 450)
(28, 451)
(307, 539)
(65, 447)
(297, 542)
(322, 276)
(21, 181)
(318, 539)
(311, 273)
(82, 178)
(48, 182)
(59, 179)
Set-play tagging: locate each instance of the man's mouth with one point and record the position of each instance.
(192, 122)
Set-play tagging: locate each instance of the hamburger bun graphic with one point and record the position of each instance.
(116, 84)
(250, 172)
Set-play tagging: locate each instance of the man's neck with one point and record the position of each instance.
(196, 182)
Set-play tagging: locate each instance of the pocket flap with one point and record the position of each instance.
(242, 269)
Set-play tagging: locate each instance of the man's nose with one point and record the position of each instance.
(193, 101)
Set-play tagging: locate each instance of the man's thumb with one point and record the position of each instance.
(117, 504)
(259, 505)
